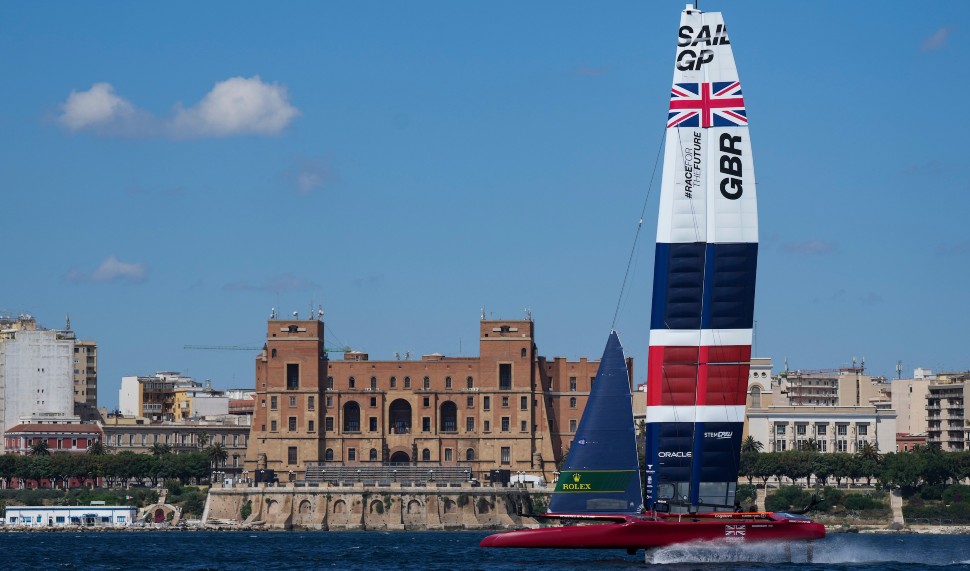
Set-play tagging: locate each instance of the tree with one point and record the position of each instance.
(97, 448)
(810, 445)
(217, 455)
(201, 439)
(160, 449)
(39, 448)
(750, 445)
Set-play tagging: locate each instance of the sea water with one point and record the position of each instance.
(369, 551)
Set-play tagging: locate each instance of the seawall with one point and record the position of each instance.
(375, 508)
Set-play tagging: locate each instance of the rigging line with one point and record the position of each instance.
(636, 235)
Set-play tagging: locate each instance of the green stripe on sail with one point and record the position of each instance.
(594, 481)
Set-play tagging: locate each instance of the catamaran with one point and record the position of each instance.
(700, 343)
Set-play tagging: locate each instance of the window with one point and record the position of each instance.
(426, 384)
(273, 353)
(470, 402)
(842, 430)
(506, 455)
(572, 383)
(291, 455)
(572, 402)
(352, 382)
(292, 376)
(755, 396)
(862, 429)
(330, 383)
(373, 383)
(486, 426)
(328, 424)
(426, 402)
(329, 402)
(448, 454)
(393, 382)
(525, 426)
(779, 445)
(262, 403)
(328, 455)
(373, 455)
(272, 426)
(426, 455)
(523, 403)
(292, 402)
(780, 429)
(505, 402)
(505, 424)
(447, 382)
(351, 417)
(470, 454)
(505, 376)
(372, 424)
(273, 403)
(310, 403)
(311, 426)
(373, 402)
(822, 446)
(470, 424)
(572, 425)
(522, 354)
(352, 454)
(407, 382)
(820, 429)
(291, 424)
(426, 424)
(470, 383)
(801, 429)
(843, 445)
(487, 403)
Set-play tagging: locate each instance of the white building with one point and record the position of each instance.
(95, 515)
(36, 374)
(838, 410)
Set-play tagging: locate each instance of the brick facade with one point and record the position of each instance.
(509, 408)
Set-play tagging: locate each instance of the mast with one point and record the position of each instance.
(704, 277)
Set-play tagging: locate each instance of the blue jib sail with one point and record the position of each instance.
(601, 473)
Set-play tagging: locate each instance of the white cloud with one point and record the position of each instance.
(309, 173)
(112, 269)
(936, 41)
(96, 108)
(237, 105)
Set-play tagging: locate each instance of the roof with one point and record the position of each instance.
(56, 428)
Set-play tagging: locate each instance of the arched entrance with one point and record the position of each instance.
(399, 415)
(400, 458)
(159, 515)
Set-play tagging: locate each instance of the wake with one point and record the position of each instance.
(844, 549)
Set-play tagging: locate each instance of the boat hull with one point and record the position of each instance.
(635, 532)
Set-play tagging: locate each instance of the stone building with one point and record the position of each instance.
(509, 408)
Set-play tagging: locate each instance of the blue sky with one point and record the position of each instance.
(404, 164)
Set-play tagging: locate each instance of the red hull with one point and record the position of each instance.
(638, 532)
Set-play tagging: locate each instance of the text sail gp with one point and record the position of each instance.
(704, 277)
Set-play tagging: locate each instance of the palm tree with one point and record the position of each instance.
(750, 445)
(810, 445)
(217, 454)
(159, 449)
(39, 448)
(201, 439)
(869, 451)
(97, 449)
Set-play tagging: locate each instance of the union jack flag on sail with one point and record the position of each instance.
(717, 104)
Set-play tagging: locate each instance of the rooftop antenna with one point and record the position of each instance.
(397, 356)
(899, 370)
(528, 314)
(272, 313)
(320, 312)
(483, 313)
(853, 362)
(296, 315)
(67, 326)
